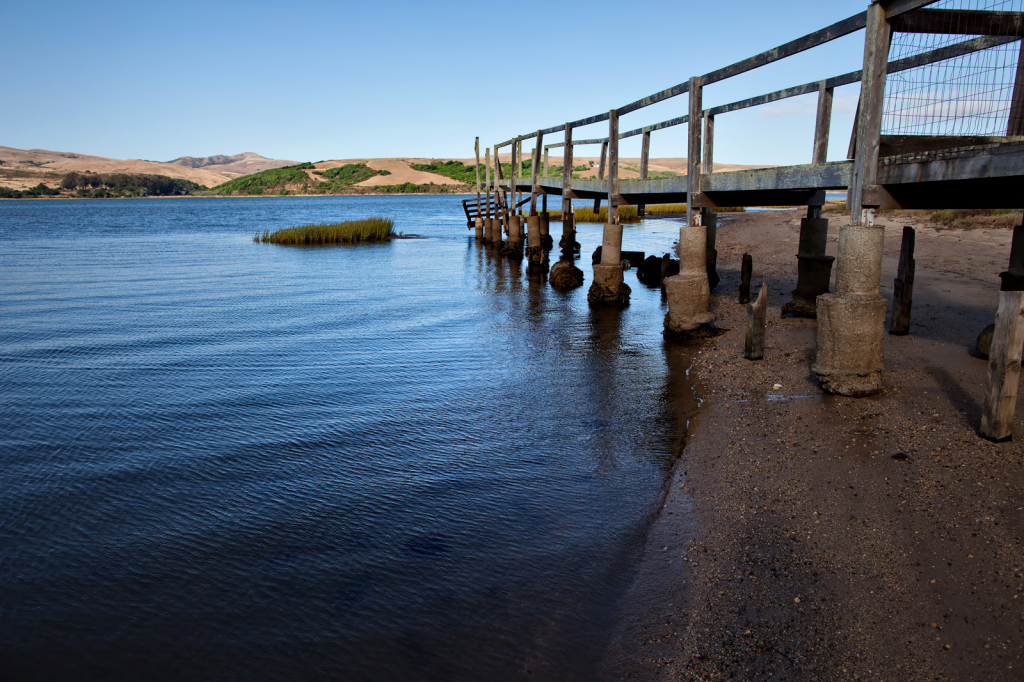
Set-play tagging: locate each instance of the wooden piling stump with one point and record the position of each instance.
(756, 313)
(745, 271)
(903, 286)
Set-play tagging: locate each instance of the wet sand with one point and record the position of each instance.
(814, 537)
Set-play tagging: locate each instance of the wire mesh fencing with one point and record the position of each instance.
(965, 95)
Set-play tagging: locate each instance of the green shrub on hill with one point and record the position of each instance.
(127, 184)
(272, 179)
(350, 174)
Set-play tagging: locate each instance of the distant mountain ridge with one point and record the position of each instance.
(219, 160)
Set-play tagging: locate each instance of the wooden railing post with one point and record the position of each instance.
(535, 162)
(1015, 124)
(501, 215)
(693, 153)
(545, 162)
(708, 164)
(478, 223)
(613, 168)
(645, 153)
(488, 221)
(600, 175)
(869, 122)
(822, 123)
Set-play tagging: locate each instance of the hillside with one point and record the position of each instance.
(24, 168)
(241, 164)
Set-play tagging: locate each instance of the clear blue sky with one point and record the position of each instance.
(321, 80)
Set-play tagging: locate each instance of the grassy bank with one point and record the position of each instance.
(350, 232)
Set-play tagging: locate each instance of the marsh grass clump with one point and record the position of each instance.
(375, 229)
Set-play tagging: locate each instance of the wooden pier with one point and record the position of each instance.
(884, 169)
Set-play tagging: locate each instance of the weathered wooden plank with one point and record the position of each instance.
(834, 175)
(656, 126)
(822, 123)
(894, 8)
(674, 91)
(819, 37)
(708, 164)
(872, 96)
(693, 184)
(588, 121)
(960, 22)
(959, 165)
(894, 145)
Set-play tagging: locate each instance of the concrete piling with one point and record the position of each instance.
(851, 322)
(710, 220)
(689, 294)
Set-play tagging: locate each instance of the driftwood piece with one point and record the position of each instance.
(745, 271)
(1004, 367)
(756, 312)
(903, 286)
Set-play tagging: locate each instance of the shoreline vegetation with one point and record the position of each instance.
(366, 231)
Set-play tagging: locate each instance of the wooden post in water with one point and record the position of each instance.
(753, 347)
(500, 224)
(822, 123)
(1007, 344)
(645, 153)
(478, 224)
(608, 287)
(535, 162)
(600, 175)
(903, 286)
(488, 224)
(568, 241)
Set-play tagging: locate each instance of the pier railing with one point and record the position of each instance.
(908, 177)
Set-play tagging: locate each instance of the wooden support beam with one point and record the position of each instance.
(822, 123)
(709, 143)
(869, 122)
(903, 286)
(613, 167)
(960, 22)
(1015, 124)
(693, 153)
(545, 159)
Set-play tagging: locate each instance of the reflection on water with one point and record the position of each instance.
(223, 459)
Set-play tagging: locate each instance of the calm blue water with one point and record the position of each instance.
(227, 460)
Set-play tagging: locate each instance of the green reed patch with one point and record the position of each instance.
(368, 230)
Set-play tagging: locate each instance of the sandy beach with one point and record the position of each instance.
(815, 537)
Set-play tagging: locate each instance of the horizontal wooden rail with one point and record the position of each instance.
(960, 22)
(941, 54)
(820, 37)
